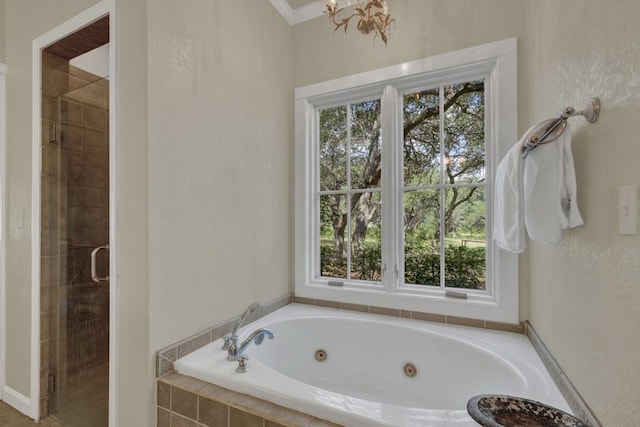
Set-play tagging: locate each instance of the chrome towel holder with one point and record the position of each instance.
(550, 130)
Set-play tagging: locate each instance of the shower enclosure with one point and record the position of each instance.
(74, 243)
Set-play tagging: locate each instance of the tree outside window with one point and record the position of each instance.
(443, 189)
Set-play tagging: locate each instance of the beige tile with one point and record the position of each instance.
(325, 303)
(355, 307)
(95, 217)
(164, 366)
(74, 174)
(211, 413)
(95, 157)
(465, 321)
(287, 417)
(268, 423)
(184, 403)
(189, 383)
(430, 317)
(71, 136)
(171, 378)
(75, 194)
(219, 394)
(164, 418)
(164, 395)
(49, 268)
(94, 177)
(302, 300)
(95, 118)
(73, 153)
(94, 138)
(507, 327)
(238, 418)
(91, 95)
(317, 422)
(385, 311)
(221, 330)
(70, 112)
(99, 199)
(179, 421)
(193, 343)
(55, 81)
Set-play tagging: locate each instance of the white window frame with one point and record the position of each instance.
(495, 62)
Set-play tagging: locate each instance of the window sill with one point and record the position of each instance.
(479, 307)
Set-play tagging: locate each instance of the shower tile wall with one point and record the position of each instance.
(75, 220)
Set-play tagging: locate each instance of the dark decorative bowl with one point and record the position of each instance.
(491, 410)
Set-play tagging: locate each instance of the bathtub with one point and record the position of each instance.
(359, 369)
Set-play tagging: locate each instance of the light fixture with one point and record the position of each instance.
(373, 17)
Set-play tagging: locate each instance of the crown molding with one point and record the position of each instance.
(300, 14)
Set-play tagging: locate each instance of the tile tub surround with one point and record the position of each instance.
(418, 315)
(208, 400)
(578, 405)
(168, 355)
(189, 402)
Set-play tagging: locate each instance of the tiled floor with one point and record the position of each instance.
(9, 417)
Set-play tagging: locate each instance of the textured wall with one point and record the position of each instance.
(220, 162)
(135, 380)
(585, 293)
(2, 30)
(423, 28)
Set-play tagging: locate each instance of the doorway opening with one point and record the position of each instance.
(75, 227)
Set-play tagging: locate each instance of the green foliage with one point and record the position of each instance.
(464, 266)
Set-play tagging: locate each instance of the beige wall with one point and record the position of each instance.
(2, 31)
(220, 162)
(136, 376)
(585, 294)
(423, 28)
(22, 26)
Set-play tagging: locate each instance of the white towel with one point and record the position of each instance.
(508, 207)
(550, 193)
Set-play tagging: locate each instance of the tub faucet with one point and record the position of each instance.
(257, 337)
(237, 350)
(232, 338)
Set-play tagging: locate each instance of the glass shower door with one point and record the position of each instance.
(78, 168)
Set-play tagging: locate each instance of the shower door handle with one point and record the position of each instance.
(94, 274)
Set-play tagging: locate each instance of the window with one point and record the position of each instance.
(394, 185)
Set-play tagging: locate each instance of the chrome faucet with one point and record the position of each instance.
(237, 350)
(257, 337)
(232, 338)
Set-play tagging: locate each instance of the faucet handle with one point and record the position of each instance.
(242, 364)
(228, 339)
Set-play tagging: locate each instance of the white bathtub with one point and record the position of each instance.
(362, 381)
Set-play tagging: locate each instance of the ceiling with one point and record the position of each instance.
(299, 3)
(83, 40)
(297, 11)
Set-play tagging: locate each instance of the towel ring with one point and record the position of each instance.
(550, 130)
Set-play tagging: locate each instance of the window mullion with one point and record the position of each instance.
(390, 186)
(348, 196)
(442, 194)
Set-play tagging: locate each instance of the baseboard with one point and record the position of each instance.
(17, 400)
(575, 401)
